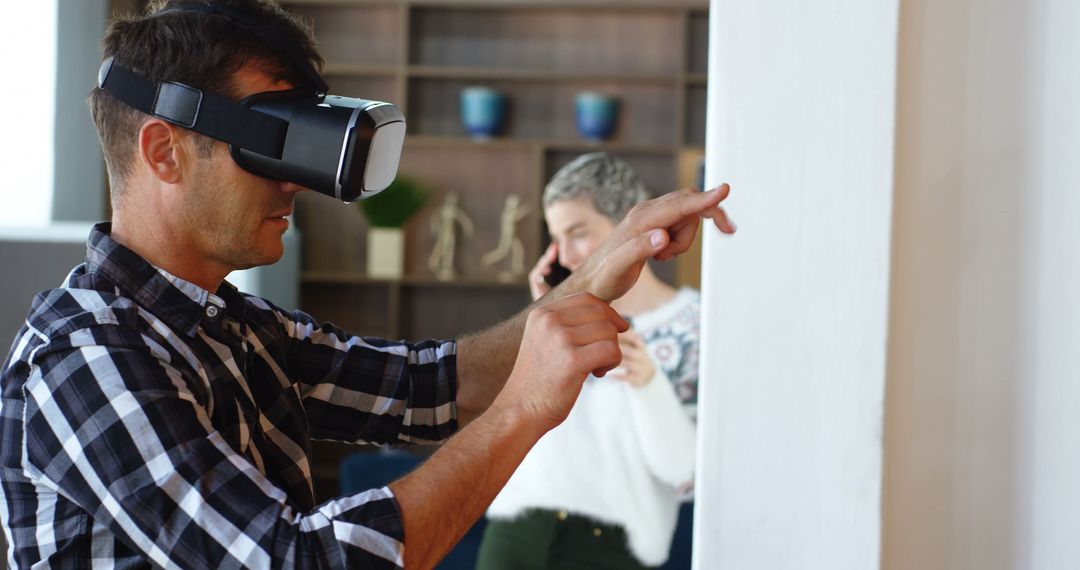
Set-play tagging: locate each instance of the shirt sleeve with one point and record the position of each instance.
(118, 432)
(369, 390)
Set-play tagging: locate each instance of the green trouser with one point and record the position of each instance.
(542, 540)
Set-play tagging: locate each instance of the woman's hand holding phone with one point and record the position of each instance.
(547, 273)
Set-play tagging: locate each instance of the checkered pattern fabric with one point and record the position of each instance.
(145, 421)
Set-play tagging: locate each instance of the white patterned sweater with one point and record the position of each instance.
(624, 455)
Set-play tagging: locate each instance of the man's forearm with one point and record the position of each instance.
(452, 489)
(484, 362)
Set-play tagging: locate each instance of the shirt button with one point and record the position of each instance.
(211, 311)
(561, 515)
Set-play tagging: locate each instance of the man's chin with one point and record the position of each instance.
(263, 257)
(270, 259)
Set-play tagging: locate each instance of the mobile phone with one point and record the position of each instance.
(557, 274)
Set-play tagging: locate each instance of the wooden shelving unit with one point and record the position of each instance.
(360, 278)
(539, 53)
(419, 54)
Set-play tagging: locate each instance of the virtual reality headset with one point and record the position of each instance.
(339, 146)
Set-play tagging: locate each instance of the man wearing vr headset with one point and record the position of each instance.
(153, 415)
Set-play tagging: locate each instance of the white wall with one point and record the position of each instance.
(28, 38)
(49, 155)
(801, 122)
(982, 452)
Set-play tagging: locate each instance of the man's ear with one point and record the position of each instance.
(161, 150)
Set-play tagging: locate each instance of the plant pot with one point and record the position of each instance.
(386, 253)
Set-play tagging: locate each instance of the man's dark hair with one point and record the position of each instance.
(195, 48)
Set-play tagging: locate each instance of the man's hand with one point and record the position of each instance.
(564, 341)
(661, 228)
(637, 368)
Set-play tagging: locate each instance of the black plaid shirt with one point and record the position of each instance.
(147, 422)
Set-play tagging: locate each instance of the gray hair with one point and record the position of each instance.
(610, 183)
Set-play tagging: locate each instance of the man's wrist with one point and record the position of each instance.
(514, 418)
(577, 282)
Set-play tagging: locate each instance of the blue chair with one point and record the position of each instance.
(371, 470)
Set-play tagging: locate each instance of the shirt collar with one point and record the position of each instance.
(180, 304)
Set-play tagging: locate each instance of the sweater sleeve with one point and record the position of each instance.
(667, 436)
(665, 410)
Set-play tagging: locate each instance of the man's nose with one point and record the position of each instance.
(293, 188)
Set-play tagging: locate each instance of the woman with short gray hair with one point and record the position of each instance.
(603, 489)
(612, 185)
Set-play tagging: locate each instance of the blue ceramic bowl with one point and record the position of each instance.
(482, 110)
(596, 114)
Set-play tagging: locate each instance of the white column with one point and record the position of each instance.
(801, 123)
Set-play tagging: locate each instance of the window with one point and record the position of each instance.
(28, 101)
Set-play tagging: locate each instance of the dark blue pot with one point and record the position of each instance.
(596, 115)
(482, 110)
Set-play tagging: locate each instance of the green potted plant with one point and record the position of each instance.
(386, 213)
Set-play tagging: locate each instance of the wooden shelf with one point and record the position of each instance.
(346, 3)
(358, 278)
(584, 146)
(541, 75)
(506, 74)
(563, 4)
(696, 5)
(360, 69)
(498, 143)
(544, 111)
(541, 145)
